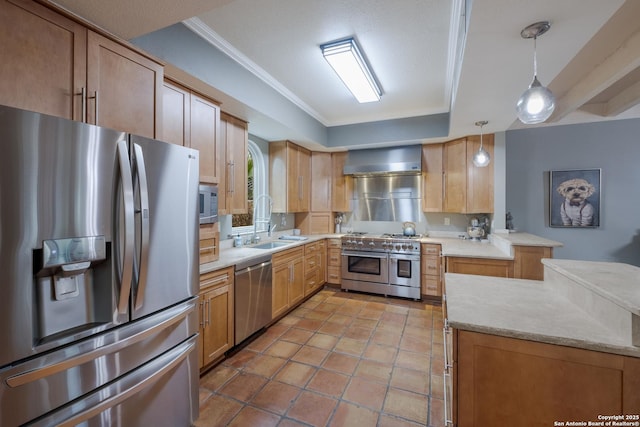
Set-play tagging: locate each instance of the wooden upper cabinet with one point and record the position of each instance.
(432, 177)
(54, 65)
(320, 182)
(204, 130)
(193, 120)
(290, 176)
(44, 60)
(467, 188)
(455, 176)
(232, 162)
(342, 185)
(479, 180)
(176, 116)
(304, 186)
(124, 88)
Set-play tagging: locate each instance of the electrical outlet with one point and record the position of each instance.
(447, 221)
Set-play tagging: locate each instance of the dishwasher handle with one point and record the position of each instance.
(253, 264)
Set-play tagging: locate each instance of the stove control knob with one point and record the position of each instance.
(404, 246)
(371, 244)
(360, 243)
(397, 247)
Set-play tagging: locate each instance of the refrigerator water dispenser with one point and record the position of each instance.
(72, 287)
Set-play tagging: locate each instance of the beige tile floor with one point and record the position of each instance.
(340, 359)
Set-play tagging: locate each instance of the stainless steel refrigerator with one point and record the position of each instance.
(98, 276)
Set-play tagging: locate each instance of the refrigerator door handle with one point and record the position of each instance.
(119, 392)
(141, 175)
(129, 234)
(172, 317)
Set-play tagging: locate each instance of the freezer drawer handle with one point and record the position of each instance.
(22, 378)
(177, 355)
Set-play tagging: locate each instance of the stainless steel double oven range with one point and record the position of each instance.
(387, 265)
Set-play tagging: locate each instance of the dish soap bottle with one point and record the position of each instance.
(237, 241)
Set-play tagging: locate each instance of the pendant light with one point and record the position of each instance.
(537, 103)
(482, 157)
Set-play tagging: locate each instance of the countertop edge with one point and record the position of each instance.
(230, 258)
(451, 247)
(555, 265)
(548, 339)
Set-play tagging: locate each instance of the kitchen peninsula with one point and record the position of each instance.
(566, 348)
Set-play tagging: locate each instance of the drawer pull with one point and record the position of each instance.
(214, 280)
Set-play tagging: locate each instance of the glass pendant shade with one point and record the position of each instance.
(481, 158)
(536, 104)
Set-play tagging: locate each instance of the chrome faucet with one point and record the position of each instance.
(265, 220)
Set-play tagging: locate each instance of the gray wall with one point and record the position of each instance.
(612, 146)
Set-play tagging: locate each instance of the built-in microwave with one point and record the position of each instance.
(208, 204)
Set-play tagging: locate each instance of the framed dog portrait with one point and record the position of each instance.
(574, 198)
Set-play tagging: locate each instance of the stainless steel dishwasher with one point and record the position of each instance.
(252, 296)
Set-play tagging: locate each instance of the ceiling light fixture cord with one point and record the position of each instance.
(535, 58)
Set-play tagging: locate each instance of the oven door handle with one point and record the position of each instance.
(404, 257)
(367, 254)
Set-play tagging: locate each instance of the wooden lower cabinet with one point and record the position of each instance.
(431, 271)
(502, 381)
(216, 315)
(288, 280)
(480, 266)
(314, 266)
(334, 261)
(527, 261)
(526, 264)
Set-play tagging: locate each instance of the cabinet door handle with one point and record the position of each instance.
(95, 106)
(444, 187)
(202, 314)
(290, 274)
(83, 104)
(232, 173)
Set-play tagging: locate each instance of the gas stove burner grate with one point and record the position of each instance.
(398, 236)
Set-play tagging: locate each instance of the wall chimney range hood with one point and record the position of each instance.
(384, 161)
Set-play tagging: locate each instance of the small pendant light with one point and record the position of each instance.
(482, 157)
(537, 103)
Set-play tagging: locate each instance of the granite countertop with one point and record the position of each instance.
(498, 246)
(230, 256)
(616, 282)
(470, 248)
(537, 311)
(525, 239)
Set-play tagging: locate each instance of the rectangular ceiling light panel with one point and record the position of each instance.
(347, 61)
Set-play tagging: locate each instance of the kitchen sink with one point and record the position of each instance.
(271, 245)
